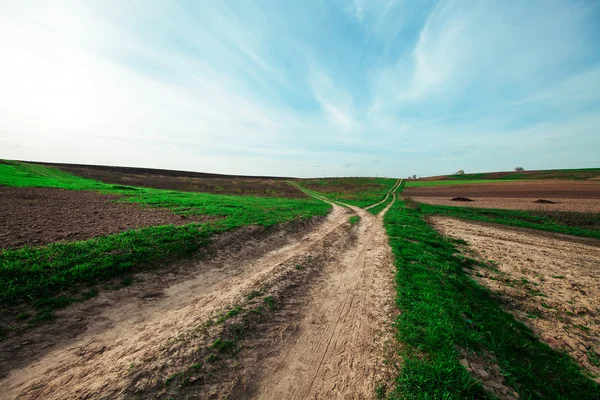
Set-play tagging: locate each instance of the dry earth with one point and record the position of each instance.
(518, 203)
(337, 349)
(550, 282)
(539, 189)
(333, 289)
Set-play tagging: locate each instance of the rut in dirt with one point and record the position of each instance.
(336, 347)
(325, 341)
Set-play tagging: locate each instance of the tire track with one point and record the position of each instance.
(335, 350)
(391, 191)
(326, 342)
(95, 364)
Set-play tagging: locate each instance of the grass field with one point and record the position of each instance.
(570, 174)
(360, 192)
(48, 276)
(445, 316)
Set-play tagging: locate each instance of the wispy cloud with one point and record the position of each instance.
(262, 87)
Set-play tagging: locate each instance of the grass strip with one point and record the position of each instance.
(569, 223)
(36, 274)
(443, 310)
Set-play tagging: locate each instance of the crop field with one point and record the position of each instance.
(540, 195)
(185, 181)
(139, 283)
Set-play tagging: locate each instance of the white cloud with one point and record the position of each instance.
(227, 89)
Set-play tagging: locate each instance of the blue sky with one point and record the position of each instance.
(302, 88)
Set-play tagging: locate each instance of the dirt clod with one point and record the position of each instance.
(544, 201)
(461, 199)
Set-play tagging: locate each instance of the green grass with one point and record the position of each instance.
(443, 310)
(561, 222)
(354, 219)
(377, 209)
(236, 210)
(360, 192)
(30, 274)
(570, 174)
(229, 314)
(20, 174)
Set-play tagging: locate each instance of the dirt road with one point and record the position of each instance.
(334, 284)
(387, 196)
(336, 351)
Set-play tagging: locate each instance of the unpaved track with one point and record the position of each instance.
(334, 352)
(337, 349)
(389, 193)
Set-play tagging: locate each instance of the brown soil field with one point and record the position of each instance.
(313, 302)
(549, 282)
(186, 181)
(542, 189)
(38, 216)
(516, 203)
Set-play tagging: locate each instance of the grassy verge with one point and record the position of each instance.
(360, 192)
(569, 223)
(48, 276)
(444, 311)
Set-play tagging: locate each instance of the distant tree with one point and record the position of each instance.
(414, 176)
(519, 169)
(460, 172)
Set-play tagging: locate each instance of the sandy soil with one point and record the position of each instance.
(334, 287)
(337, 348)
(550, 283)
(539, 189)
(38, 216)
(517, 203)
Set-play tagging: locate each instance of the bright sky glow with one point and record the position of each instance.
(302, 88)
